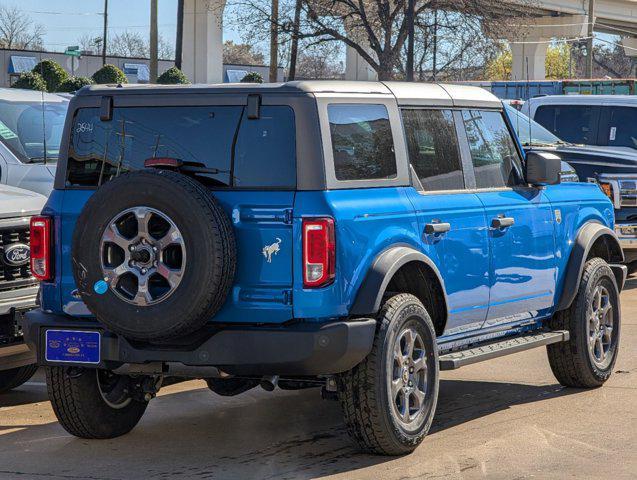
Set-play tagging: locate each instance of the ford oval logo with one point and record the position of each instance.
(17, 254)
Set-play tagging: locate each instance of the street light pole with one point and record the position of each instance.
(105, 32)
(274, 41)
(153, 41)
(180, 33)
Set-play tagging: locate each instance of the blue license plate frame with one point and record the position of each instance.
(73, 346)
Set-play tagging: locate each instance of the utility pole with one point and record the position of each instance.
(153, 41)
(274, 41)
(435, 46)
(105, 32)
(179, 41)
(410, 40)
(294, 49)
(589, 40)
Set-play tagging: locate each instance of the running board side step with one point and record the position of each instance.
(507, 346)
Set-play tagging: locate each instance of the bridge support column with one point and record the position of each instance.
(531, 40)
(202, 50)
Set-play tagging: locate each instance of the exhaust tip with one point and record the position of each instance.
(269, 382)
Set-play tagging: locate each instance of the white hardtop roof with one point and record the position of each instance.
(440, 94)
(580, 99)
(23, 95)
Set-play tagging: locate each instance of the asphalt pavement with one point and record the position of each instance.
(503, 419)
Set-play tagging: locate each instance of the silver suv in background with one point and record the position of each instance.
(31, 126)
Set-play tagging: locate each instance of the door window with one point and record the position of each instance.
(496, 162)
(432, 145)
(571, 123)
(621, 127)
(362, 142)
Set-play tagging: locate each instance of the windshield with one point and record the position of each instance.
(529, 131)
(28, 128)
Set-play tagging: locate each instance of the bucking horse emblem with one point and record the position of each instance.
(272, 249)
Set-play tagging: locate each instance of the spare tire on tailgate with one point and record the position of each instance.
(154, 255)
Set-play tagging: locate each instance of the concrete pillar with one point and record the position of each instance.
(202, 50)
(356, 68)
(537, 32)
(529, 60)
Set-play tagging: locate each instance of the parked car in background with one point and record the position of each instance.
(18, 287)
(31, 126)
(599, 139)
(354, 236)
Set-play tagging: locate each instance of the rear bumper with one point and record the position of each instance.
(299, 349)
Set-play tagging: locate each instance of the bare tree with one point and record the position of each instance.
(241, 54)
(134, 44)
(377, 29)
(18, 31)
(320, 62)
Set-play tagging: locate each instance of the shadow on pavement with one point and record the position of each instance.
(287, 435)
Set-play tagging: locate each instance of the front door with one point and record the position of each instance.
(520, 221)
(451, 219)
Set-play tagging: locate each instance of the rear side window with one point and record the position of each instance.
(231, 150)
(571, 123)
(362, 142)
(496, 162)
(432, 144)
(622, 131)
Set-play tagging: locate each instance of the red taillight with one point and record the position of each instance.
(41, 266)
(319, 249)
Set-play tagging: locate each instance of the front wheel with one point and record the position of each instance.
(91, 403)
(389, 399)
(587, 359)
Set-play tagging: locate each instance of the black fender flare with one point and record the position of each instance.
(584, 240)
(387, 263)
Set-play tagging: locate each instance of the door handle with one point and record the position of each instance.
(502, 222)
(438, 227)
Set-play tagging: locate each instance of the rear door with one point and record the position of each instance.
(571, 123)
(520, 220)
(249, 164)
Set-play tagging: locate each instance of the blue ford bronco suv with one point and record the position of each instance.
(358, 237)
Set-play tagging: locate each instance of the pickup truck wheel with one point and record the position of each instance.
(91, 403)
(10, 379)
(593, 320)
(389, 399)
(154, 255)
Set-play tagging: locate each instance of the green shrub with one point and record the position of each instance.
(30, 81)
(173, 76)
(52, 73)
(109, 74)
(252, 77)
(73, 84)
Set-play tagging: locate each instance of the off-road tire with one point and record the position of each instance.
(363, 391)
(13, 378)
(570, 361)
(208, 241)
(81, 409)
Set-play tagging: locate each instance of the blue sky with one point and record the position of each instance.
(67, 20)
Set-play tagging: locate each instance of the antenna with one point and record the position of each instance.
(43, 116)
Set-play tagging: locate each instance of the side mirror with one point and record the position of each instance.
(543, 168)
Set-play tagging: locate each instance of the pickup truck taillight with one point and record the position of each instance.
(319, 252)
(41, 266)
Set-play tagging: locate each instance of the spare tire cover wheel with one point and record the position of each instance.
(153, 255)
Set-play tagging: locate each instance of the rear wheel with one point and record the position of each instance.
(389, 399)
(92, 403)
(13, 378)
(593, 321)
